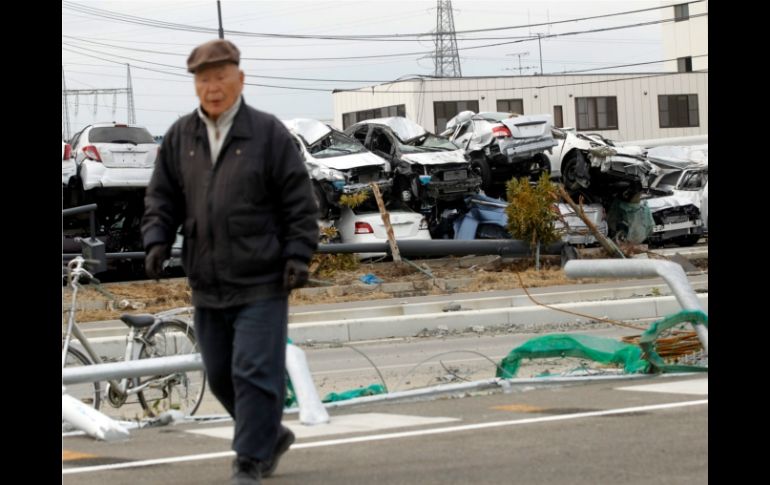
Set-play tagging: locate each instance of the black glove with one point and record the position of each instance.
(295, 274)
(153, 262)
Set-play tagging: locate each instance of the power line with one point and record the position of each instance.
(355, 89)
(370, 89)
(407, 54)
(120, 17)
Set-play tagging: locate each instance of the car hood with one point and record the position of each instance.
(657, 203)
(435, 158)
(680, 156)
(353, 160)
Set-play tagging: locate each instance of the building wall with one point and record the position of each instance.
(637, 98)
(686, 38)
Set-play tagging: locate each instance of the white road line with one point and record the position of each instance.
(692, 386)
(388, 436)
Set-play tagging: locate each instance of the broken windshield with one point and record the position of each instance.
(427, 142)
(335, 144)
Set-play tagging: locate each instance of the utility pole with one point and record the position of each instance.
(446, 59)
(130, 97)
(65, 118)
(540, 47)
(219, 12)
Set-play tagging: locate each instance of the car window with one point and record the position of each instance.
(335, 144)
(360, 133)
(694, 180)
(381, 142)
(120, 134)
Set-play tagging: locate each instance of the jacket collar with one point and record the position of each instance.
(241, 124)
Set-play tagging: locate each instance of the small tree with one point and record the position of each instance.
(532, 212)
(325, 265)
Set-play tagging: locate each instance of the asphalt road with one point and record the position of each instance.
(597, 433)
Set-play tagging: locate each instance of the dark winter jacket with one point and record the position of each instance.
(243, 217)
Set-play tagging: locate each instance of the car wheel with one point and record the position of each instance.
(480, 167)
(320, 201)
(571, 175)
(543, 166)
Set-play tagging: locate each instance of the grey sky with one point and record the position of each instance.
(161, 97)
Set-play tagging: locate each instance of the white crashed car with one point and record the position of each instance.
(114, 155)
(67, 164)
(574, 230)
(337, 164)
(684, 172)
(677, 220)
(588, 161)
(364, 226)
(426, 168)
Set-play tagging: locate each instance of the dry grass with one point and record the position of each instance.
(151, 296)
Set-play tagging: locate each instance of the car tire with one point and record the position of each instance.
(480, 166)
(569, 173)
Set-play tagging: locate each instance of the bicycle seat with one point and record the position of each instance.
(139, 321)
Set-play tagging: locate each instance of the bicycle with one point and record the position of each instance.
(159, 335)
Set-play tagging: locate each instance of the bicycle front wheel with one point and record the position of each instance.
(181, 391)
(87, 392)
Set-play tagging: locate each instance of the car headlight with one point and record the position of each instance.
(331, 174)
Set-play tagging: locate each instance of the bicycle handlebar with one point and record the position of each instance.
(76, 270)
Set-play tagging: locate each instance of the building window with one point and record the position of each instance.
(444, 111)
(597, 113)
(558, 117)
(515, 106)
(354, 117)
(678, 110)
(681, 12)
(684, 64)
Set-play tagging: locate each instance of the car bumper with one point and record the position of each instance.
(520, 152)
(102, 177)
(452, 189)
(383, 185)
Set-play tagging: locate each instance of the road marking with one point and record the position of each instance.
(67, 455)
(346, 423)
(693, 386)
(389, 436)
(519, 408)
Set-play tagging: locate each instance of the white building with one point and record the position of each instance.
(686, 39)
(620, 106)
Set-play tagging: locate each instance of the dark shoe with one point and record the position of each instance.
(246, 471)
(285, 440)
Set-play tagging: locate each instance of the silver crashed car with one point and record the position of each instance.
(426, 169)
(502, 145)
(590, 163)
(338, 164)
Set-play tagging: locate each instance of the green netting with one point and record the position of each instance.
(599, 349)
(358, 392)
(633, 220)
(648, 338)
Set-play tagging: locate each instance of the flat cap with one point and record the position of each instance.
(213, 51)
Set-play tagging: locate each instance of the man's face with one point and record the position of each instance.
(218, 87)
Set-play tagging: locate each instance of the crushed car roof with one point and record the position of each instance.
(310, 130)
(404, 128)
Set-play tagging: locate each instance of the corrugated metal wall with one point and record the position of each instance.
(637, 98)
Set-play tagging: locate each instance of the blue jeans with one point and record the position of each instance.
(244, 353)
